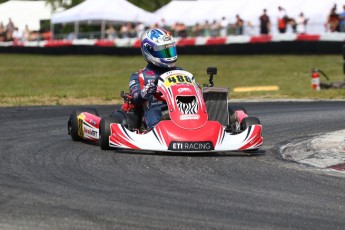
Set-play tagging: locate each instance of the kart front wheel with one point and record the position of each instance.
(232, 113)
(104, 131)
(249, 121)
(73, 125)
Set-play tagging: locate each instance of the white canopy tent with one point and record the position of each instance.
(102, 12)
(25, 13)
(249, 11)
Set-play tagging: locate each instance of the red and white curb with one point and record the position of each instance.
(190, 41)
(325, 152)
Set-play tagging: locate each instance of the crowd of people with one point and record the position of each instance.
(213, 28)
(335, 22)
(10, 32)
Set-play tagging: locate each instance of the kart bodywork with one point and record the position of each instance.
(196, 120)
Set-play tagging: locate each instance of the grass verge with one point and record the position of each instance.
(72, 80)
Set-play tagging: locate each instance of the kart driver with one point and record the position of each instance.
(159, 50)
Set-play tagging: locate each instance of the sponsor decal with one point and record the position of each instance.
(191, 146)
(93, 122)
(150, 73)
(190, 117)
(181, 90)
(155, 34)
(254, 140)
(167, 38)
(90, 132)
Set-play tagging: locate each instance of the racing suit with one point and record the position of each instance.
(141, 86)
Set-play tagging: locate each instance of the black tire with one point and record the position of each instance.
(104, 131)
(232, 110)
(248, 121)
(72, 125)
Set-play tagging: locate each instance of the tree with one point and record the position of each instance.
(66, 4)
(149, 5)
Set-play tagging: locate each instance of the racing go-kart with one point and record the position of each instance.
(195, 120)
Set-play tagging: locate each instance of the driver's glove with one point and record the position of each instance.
(149, 88)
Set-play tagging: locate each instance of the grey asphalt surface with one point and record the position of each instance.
(47, 181)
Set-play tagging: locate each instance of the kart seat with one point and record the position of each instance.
(216, 99)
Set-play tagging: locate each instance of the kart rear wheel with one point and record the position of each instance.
(248, 121)
(72, 125)
(104, 131)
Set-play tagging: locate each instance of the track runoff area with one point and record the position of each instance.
(325, 152)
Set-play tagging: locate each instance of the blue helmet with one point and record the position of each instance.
(159, 48)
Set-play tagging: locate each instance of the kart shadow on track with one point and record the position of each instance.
(248, 153)
(256, 153)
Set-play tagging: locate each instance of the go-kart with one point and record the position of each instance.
(194, 120)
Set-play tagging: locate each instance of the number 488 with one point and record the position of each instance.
(179, 79)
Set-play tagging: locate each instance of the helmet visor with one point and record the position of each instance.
(165, 51)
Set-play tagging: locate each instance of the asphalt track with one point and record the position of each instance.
(47, 181)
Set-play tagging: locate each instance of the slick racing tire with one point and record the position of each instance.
(248, 121)
(73, 121)
(104, 131)
(232, 110)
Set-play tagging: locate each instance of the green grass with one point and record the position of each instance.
(42, 80)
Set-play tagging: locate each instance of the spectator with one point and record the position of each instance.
(10, 26)
(206, 29)
(163, 24)
(197, 30)
(282, 20)
(131, 30)
(46, 35)
(292, 22)
(26, 33)
(16, 35)
(249, 28)
(124, 33)
(239, 25)
(342, 20)
(70, 37)
(223, 27)
(173, 29)
(264, 23)
(154, 25)
(301, 23)
(2, 32)
(333, 20)
(181, 30)
(214, 28)
(111, 32)
(139, 28)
